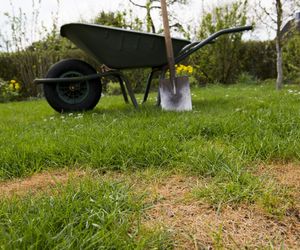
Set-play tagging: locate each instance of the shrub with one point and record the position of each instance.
(291, 59)
(113, 88)
(246, 78)
(9, 91)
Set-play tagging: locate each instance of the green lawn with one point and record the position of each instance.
(238, 126)
(228, 135)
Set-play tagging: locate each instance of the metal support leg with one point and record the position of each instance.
(125, 96)
(158, 102)
(162, 76)
(149, 81)
(130, 92)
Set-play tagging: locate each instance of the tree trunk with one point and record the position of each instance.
(279, 82)
(279, 44)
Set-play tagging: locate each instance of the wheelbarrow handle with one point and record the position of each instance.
(193, 47)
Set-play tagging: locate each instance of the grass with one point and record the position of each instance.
(81, 215)
(230, 132)
(244, 124)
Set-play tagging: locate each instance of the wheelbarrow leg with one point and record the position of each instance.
(123, 89)
(149, 81)
(130, 92)
(158, 102)
(162, 76)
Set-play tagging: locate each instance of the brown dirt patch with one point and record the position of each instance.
(37, 182)
(288, 175)
(198, 226)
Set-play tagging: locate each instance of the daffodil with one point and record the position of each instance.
(17, 86)
(182, 70)
(190, 69)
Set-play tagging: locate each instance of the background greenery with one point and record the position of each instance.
(226, 61)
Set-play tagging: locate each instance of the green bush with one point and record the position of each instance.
(9, 91)
(113, 88)
(291, 59)
(246, 78)
(258, 58)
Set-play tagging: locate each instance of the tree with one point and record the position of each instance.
(220, 62)
(151, 5)
(274, 16)
(121, 19)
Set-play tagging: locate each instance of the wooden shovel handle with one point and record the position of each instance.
(168, 40)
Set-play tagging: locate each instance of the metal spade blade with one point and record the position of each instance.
(174, 92)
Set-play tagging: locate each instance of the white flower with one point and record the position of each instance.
(80, 116)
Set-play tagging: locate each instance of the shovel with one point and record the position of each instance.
(175, 92)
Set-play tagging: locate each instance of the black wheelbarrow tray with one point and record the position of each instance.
(74, 85)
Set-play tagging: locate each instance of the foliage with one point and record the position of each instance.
(291, 57)
(9, 91)
(258, 58)
(220, 62)
(113, 88)
(246, 78)
(28, 58)
(121, 19)
(151, 6)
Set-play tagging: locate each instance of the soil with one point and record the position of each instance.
(199, 226)
(37, 182)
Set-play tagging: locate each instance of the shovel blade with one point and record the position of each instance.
(181, 101)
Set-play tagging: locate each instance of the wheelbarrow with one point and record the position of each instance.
(74, 85)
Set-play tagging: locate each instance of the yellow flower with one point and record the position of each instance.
(183, 70)
(190, 69)
(12, 81)
(17, 86)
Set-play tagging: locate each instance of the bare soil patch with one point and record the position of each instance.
(288, 174)
(196, 225)
(37, 182)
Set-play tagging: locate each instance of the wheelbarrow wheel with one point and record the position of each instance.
(72, 96)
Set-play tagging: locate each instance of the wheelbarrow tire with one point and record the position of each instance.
(72, 97)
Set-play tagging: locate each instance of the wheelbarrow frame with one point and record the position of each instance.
(125, 84)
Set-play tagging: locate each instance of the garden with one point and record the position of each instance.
(225, 175)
